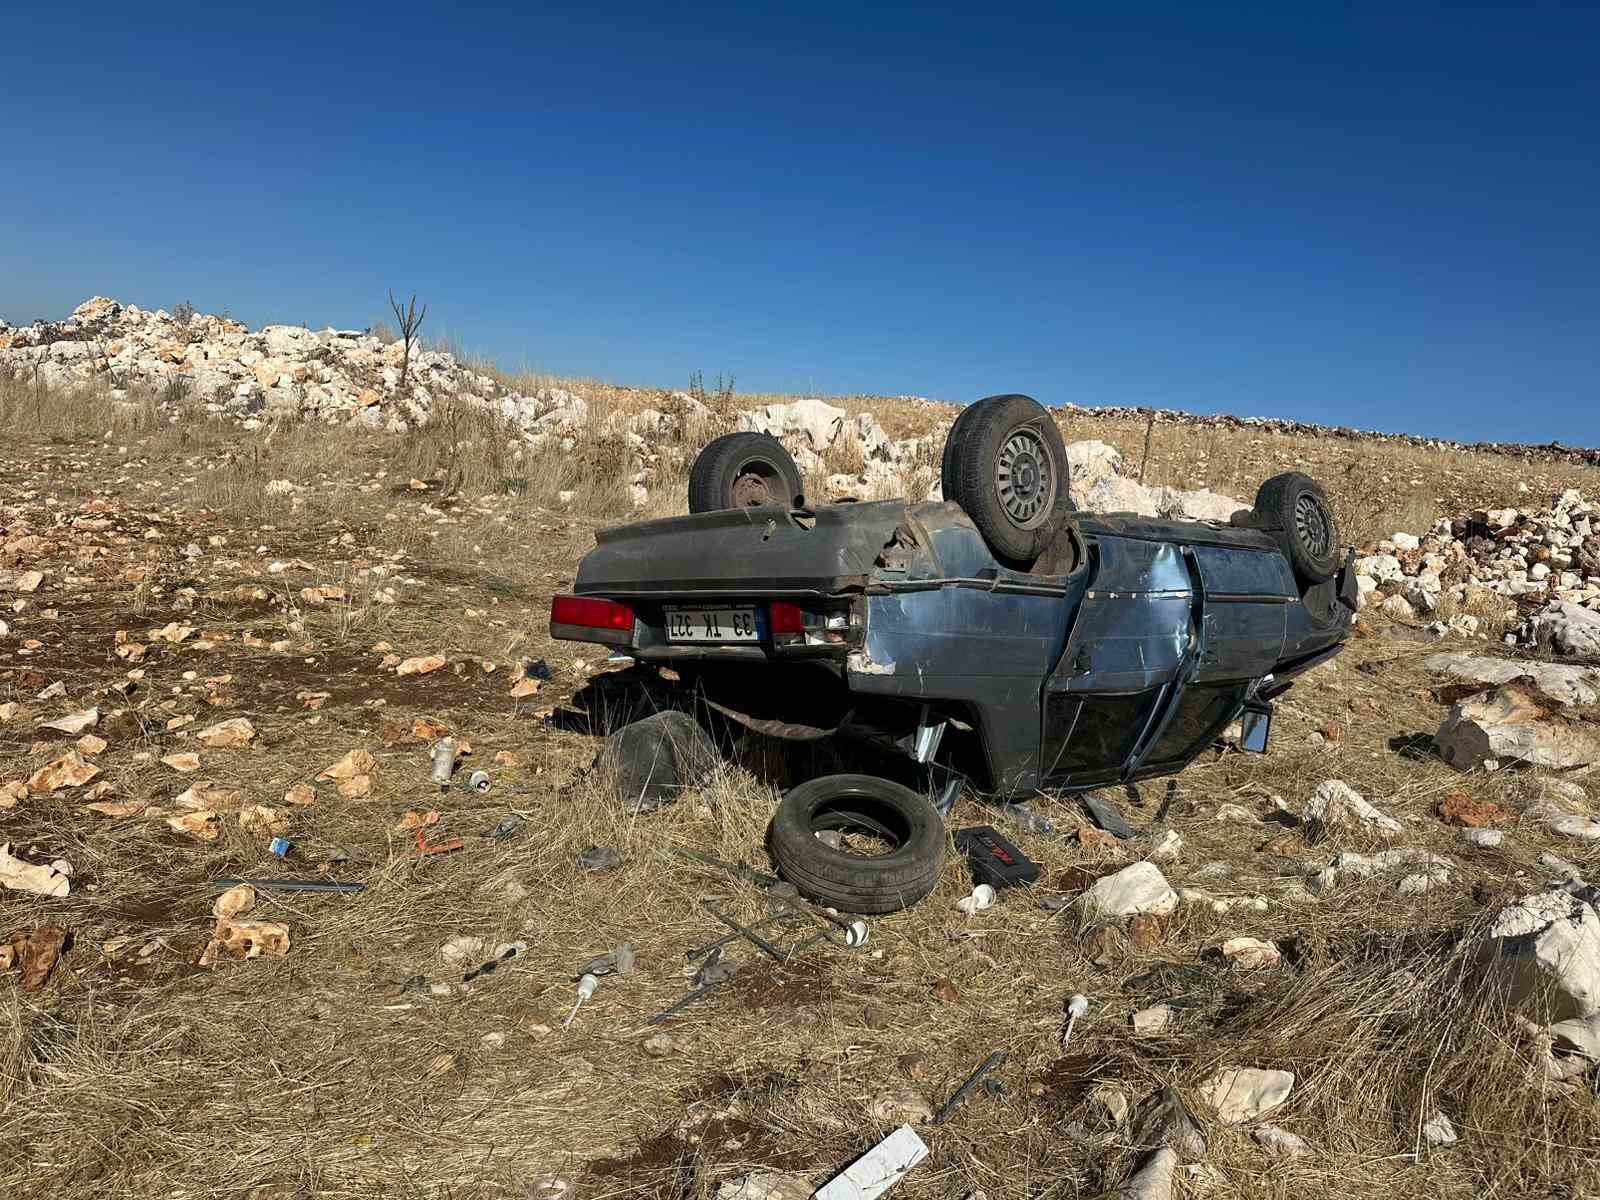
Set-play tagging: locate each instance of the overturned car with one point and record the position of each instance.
(998, 637)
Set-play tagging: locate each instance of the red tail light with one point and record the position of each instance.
(785, 618)
(588, 612)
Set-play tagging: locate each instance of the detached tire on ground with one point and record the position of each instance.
(652, 761)
(1006, 465)
(858, 804)
(743, 470)
(1296, 508)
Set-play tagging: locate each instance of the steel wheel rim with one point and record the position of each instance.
(1311, 523)
(753, 487)
(1024, 478)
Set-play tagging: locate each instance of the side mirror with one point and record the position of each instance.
(1256, 727)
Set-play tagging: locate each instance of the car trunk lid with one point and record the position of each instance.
(741, 553)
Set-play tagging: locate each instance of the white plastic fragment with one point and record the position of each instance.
(982, 897)
(878, 1170)
(586, 988)
(1077, 1005)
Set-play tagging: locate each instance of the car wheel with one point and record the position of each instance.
(901, 824)
(947, 468)
(1297, 509)
(743, 470)
(1006, 465)
(652, 761)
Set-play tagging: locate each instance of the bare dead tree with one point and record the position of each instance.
(1149, 433)
(409, 320)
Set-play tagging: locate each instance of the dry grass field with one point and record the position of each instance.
(360, 1065)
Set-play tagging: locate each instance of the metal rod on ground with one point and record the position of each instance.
(289, 885)
(738, 870)
(965, 1090)
(702, 951)
(684, 1003)
(744, 931)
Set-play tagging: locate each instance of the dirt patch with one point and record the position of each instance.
(660, 1167)
(784, 985)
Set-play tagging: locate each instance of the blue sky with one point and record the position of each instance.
(1373, 215)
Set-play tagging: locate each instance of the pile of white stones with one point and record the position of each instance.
(334, 375)
(350, 377)
(1544, 563)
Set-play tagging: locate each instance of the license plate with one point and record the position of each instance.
(712, 625)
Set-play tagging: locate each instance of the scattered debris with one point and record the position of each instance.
(461, 948)
(587, 986)
(760, 1185)
(966, 1089)
(1439, 1130)
(1241, 1094)
(878, 1170)
(1077, 1006)
(1151, 1020)
(993, 859)
(599, 858)
(982, 897)
(21, 876)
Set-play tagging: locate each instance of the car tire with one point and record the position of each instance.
(1295, 507)
(1007, 467)
(947, 468)
(652, 761)
(744, 470)
(850, 882)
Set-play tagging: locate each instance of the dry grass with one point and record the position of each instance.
(323, 1074)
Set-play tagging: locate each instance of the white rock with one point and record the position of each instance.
(1151, 1020)
(1514, 722)
(817, 423)
(1438, 1130)
(460, 949)
(1562, 683)
(1566, 628)
(1484, 839)
(1251, 954)
(1241, 1094)
(1405, 541)
(1385, 568)
(1167, 848)
(1335, 805)
(1398, 607)
(1423, 592)
(1577, 827)
(1139, 888)
(1280, 1143)
(1545, 950)
(1088, 462)
(1578, 1038)
(765, 1185)
(1116, 494)
(1154, 1180)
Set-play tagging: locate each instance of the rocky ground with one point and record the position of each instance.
(1366, 963)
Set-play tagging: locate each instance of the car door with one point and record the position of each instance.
(1132, 637)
